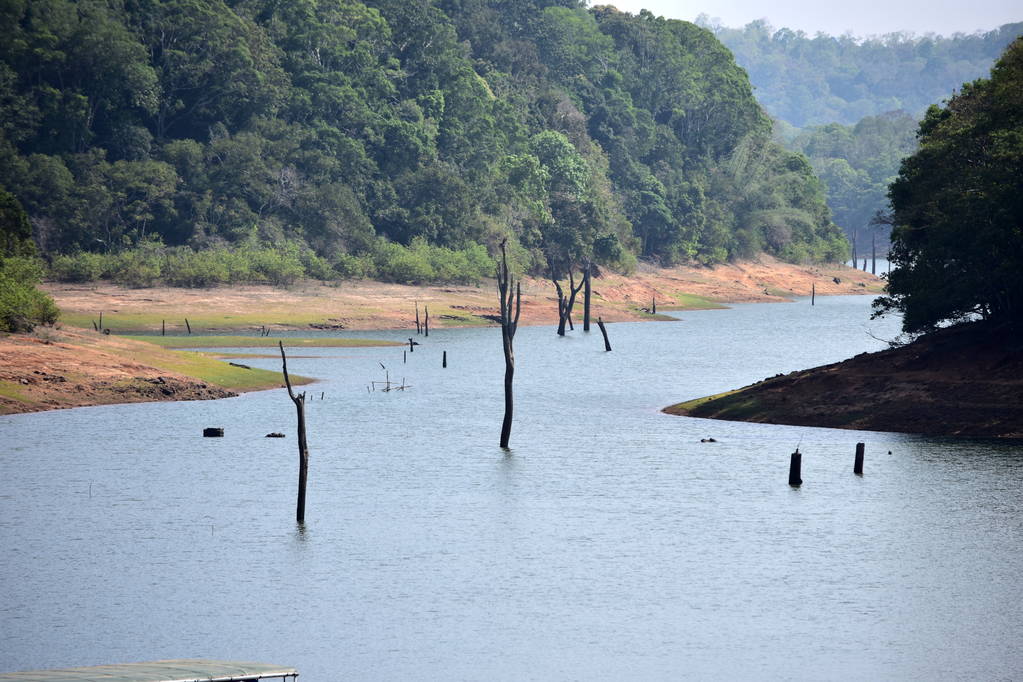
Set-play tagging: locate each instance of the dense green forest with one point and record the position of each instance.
(399, 139)
(856, 164)
(957, 242)
(852, 106)
(815, 80)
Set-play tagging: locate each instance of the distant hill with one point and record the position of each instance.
(813, 80)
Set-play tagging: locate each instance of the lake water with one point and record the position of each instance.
(609, 543)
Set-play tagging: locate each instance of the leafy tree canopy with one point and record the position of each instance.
(332, 124)
(814, 80)
(958, 208)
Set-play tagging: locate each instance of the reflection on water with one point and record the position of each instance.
(609, 543)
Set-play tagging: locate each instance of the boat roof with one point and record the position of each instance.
(177, 670)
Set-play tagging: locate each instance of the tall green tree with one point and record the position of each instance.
(958, 208)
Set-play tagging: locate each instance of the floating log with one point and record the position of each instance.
(858, 463)
(795, 469)
(213, 432)
(275, 434)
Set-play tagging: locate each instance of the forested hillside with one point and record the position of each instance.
(856, 164)
(852, 106)
(357, 135)
(814, 80)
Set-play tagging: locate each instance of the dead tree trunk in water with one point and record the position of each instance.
(607, 344)
(303, 449)
(586, 296)
(873, 254)
(509, 323)
(565, 304)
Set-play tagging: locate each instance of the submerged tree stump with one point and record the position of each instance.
(509, 324)
(303, 449)
(603, 330)
(795, 469)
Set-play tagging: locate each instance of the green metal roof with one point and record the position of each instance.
(183, 670)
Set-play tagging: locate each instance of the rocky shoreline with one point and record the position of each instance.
(964, 381)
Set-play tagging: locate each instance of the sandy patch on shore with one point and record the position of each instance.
(62, 367)
(376, 305)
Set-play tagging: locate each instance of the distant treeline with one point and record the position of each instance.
(814, 80)
(856, 164)
(335, 127)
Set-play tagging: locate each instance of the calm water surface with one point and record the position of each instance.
(608, 544)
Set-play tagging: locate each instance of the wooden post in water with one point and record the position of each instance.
(404, 357)
(607, 344)
(411, 346)
(858, 464)
(426, 321)
(303, 449)
(586, 297)
(444, 361)
(813, 293)
(795, 469)
(419, 329)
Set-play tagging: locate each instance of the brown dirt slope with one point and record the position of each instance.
(63, 367)
(963, 381)
(376, 305)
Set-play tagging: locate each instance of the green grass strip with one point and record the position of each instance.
(259, 342)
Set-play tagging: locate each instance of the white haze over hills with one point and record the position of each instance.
(861, 19)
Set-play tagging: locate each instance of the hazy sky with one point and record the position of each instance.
(868, 17)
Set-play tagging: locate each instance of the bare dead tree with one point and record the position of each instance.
(603, 330)
(587, 292)
(566, 303)
(303, 449)
(509, 324)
